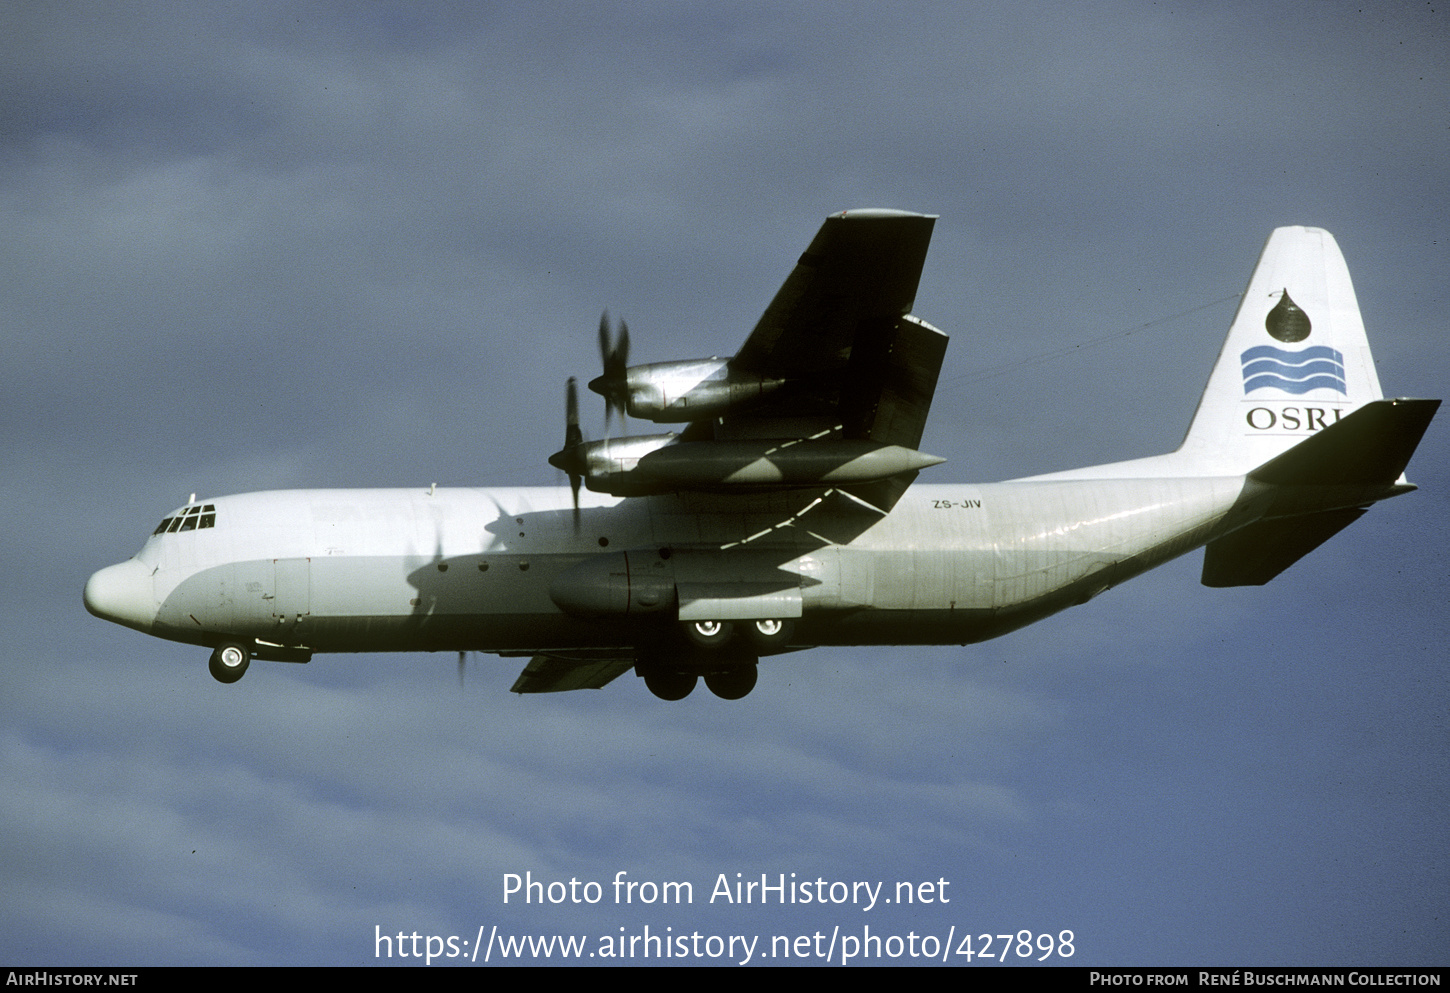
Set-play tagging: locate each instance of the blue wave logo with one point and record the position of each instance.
(1314, 368)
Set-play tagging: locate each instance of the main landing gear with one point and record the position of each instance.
(732, 683)
(726, 653)
(229, 662)
(667, 684)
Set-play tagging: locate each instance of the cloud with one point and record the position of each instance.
(366, 246)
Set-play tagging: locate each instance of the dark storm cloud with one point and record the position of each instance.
(366, 244)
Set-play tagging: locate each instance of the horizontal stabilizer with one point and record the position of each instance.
(1354, 461)
(556, 673)
(1254, 555)
(1372, 445)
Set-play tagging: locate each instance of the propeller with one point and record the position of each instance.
(613, 385)
(570, 458)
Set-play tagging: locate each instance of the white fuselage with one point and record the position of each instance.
(470, 569)
(756, 530)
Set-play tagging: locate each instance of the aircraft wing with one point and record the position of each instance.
(831, 389)
(839, 331)
(862, 267)
(555, 672)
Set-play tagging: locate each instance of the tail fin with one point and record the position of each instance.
(1296, 359)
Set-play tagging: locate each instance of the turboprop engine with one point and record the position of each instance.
(610, 466)
(671, 392)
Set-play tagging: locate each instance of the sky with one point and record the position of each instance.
(272, 246)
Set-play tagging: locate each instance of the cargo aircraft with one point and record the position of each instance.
(782, 512)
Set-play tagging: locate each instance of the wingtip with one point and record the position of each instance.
(870, 213)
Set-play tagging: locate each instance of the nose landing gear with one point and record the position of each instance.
(229, 662)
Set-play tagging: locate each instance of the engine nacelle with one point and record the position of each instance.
(728, 465)
(677, 392)
(610, 466)
(659, 463)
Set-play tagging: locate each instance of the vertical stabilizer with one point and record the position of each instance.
(1296, 359)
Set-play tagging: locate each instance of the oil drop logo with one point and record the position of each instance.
(1268, 367)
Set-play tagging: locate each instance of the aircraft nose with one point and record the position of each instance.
(123, 594)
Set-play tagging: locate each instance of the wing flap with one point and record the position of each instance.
(890, 386)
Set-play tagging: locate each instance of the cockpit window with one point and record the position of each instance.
(190, 519)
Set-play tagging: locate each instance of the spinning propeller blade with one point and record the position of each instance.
(613, 385)
(570, 458)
